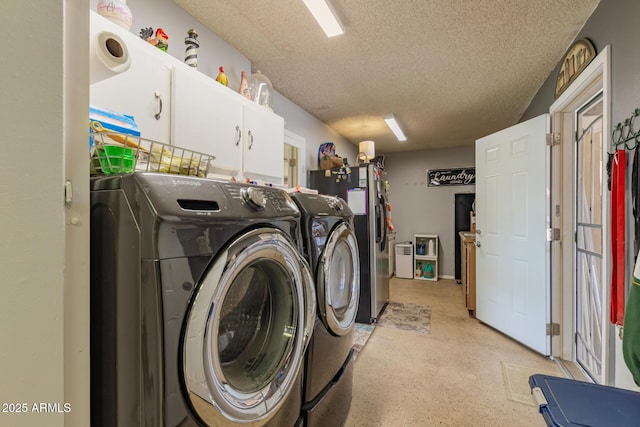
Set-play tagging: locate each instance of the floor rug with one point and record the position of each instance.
(361, 334)
(407, 316)
(516, 381)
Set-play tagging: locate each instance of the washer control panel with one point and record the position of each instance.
(334, 203)
(253, 197)
(280, 200)
(259, 199)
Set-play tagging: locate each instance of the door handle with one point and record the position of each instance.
(250, 140)
(157, 95)
(477, 244)
(238, 135)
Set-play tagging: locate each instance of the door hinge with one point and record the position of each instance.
(553, 234)
(553, 329)
(553, 139)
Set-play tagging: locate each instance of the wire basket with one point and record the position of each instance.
(113, 153)
(164, 158)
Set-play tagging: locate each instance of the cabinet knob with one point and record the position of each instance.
(159, 98)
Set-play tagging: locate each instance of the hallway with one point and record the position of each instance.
(450, 377)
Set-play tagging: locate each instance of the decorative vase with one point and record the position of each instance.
(261, 89)
(244, 86)
(116, 11)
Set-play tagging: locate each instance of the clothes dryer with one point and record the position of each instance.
(332, 251)
(201, 304)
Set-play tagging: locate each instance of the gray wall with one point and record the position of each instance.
(614, 23)
(418, 209)
(44, 256)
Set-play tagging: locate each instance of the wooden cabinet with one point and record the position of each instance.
(176, 104)
(425, 256)
(468, 268)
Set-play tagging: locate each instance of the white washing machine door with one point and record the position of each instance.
(247, 330)
(338, 281)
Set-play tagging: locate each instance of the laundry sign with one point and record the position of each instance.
(442, 177)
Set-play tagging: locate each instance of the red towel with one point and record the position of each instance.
(617, 236)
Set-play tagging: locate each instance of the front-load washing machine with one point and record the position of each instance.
(201, 304)
(332, 251)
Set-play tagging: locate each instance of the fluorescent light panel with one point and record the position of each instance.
(393, 125)
(321, 10)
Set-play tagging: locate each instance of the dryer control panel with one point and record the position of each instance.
(261, 199)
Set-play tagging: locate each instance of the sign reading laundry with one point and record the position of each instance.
(441, 177)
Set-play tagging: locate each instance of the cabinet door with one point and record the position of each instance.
(207, 118)
(263, 134)
(141, 90)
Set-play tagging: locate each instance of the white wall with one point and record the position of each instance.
(313, 131)
(418, 209)
(42, 355)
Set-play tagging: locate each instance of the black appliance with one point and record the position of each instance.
(201, 304)
(364, 188)
(332, 251)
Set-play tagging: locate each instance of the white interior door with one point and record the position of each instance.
(512, 256)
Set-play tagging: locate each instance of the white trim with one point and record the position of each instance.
(595, 78)
(300, 143)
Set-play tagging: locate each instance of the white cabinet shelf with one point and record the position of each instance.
(175, 104)
(425, 255)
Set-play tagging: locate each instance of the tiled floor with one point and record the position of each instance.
(452, 376)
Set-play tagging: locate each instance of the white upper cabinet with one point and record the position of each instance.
(143, 91)
(263, 134)
(208, 119)
(175, 104)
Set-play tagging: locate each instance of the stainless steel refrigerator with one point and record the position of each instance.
(364, 188)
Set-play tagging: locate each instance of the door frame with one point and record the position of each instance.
(300, 143)
(594, 79)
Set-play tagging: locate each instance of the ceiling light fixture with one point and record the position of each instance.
(393, 125)
(323, 13)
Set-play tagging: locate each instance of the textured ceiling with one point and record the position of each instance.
(451, 71)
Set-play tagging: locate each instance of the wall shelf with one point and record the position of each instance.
(425, 254)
